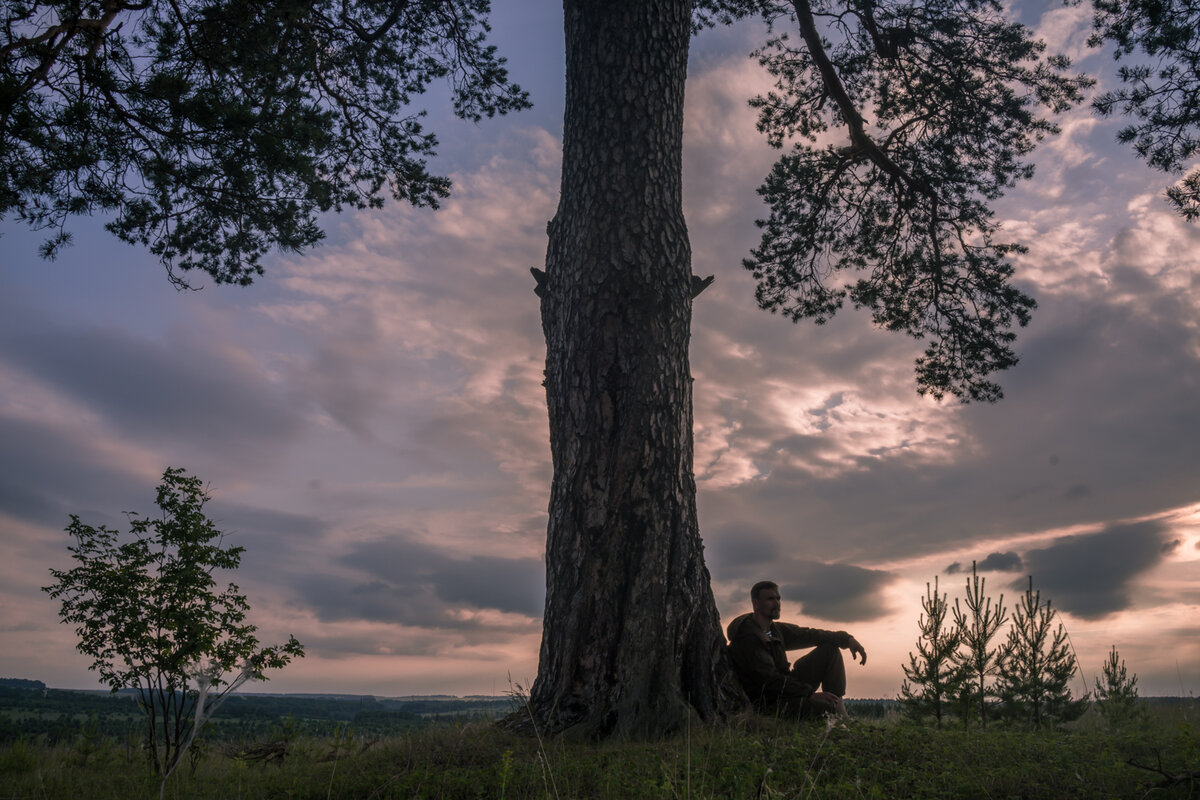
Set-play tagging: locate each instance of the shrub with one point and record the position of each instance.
(148, 612)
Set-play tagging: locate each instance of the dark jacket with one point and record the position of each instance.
(760, 657)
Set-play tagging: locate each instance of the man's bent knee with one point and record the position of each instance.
(820, 704)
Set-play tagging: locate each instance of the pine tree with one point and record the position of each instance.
(1036, 665)
(1117, 698)
(978, 625)
(936, 677)
(1158, 89)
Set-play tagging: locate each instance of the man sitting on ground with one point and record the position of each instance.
(758, 645)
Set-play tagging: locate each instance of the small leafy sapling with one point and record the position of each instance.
(149, 612)
(935, 676)
(1117, 697)
(978, 624)
(1036, 665)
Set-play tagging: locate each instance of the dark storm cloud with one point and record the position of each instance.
(738, 550)
(741, 554)
(995, 562)
(1091, 575)
(276, 542)
(267, 524)
(1001, 562)
(24, 502)
(180, 389)
(334, 598)
(1077, 492)
(507, 584)
(411, 583)
(47, 473)
(396, 559)
(1185, 633)
(838, 592)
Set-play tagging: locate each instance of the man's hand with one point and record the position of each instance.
(857, 649)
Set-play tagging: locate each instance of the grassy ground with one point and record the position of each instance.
(754, 758)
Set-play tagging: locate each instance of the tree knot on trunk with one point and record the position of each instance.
(700, 284)
(540, 276)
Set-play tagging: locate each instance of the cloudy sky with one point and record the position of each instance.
(371, 422)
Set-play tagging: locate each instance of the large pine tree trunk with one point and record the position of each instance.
(631, 643)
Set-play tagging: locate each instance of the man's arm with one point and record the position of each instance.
(796, 637)
(857, 649)
(760, 676)
(753, 661)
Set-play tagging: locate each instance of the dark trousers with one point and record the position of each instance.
(823, 669)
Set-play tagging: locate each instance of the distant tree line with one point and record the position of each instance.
(33, 713)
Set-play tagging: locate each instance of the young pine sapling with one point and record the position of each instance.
(978, 625)
(1117, 697)
(932, 677)
(1036, 665)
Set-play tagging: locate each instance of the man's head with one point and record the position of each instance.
(764, 597)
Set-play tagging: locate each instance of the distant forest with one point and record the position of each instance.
(30, 711)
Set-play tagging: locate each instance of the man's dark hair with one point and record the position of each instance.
(760, 586)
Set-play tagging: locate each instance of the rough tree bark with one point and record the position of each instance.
(631, 643)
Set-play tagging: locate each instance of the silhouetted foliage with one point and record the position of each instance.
(935, 674)
(148, 612)
(1117, 696)
(1036, 665)
(942, 102)
(978, 625)
(215, 130)
(1159, 41)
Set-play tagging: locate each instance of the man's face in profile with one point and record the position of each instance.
(767, 603)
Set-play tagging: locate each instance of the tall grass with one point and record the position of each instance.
(752, 757)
